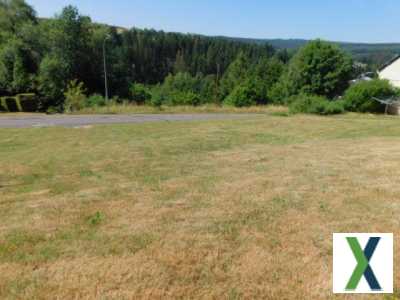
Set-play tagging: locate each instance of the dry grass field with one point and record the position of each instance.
(237, 209)
(207, 108)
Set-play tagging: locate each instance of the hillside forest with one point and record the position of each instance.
(60, 61)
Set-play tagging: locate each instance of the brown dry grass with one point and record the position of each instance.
(237, 209)
(207, 108)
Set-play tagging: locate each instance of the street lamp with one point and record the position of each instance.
(105, 66)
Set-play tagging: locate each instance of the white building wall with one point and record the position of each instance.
(392, 73)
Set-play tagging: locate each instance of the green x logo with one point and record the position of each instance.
(363, 268)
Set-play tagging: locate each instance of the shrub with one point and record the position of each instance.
(184, 98)
(281, 91)
(27, 102)
(20, 103)
(140, 93)
(183, 89)
(75, 97)
(208, 89)
(241, 96)
(320, 68)
(10, 104)
(157, 96)
(265, 75)
(51, 82)
(95, 100)
(315, 105)
(359, 97)
(3, 107)
(236, 73)
(4, 103)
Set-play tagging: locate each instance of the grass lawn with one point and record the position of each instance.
(234, 209)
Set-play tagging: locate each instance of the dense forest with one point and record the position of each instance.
(43, 55)
(60, 62)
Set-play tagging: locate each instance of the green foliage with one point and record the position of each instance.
(20, 103)
(281, 91)
(140, 93)
(75, 97)
(96, 219)
(14, 13)
(51, 81)
(16, 67)
(236, 74)
(184, 89)
(10, 103)
(4, 103)
(95, 100)
(21, 80)
(359, 97)
(27, 102)
(6, 68)
(320, 68)
(262, 77)
(315, 105)
(255, 84)
(42, 56)
(242, 96)
(269, 71)
(70, 42)
(158, 97)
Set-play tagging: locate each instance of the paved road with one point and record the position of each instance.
(41, 120)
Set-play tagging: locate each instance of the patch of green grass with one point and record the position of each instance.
(23, 246)
(86, 173)
(96, 219)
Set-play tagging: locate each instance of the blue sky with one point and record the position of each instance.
(339, 20)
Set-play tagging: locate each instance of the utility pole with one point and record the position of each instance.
(217, 84)
(105, 67)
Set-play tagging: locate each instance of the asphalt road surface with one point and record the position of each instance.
(41, 120)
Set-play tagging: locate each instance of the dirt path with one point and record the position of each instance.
(41, 120)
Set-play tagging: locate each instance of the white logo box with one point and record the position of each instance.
(344, 263)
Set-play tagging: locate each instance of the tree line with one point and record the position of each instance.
(44, 55)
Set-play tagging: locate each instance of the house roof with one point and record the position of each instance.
(395, 58)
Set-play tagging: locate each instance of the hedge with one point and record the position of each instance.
(19, 103)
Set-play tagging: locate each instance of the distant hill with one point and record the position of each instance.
(375, 55)
(372, 54)
(297, 43)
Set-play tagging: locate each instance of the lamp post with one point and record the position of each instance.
(105, 67)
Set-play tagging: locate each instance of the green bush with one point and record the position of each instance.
(19, 103)
(236, 74)
(27, 102)
(183, 98)
(10, 104)
(320, 68)
(183, 89)
(52, 82)
(281, 91)
(158, 97)
(75, 97)
(95, 100)
(315, 105)
(359, 97)
(3, 104)
(140, 93)
(242, 96)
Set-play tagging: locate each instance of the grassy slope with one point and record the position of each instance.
(242, 208)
